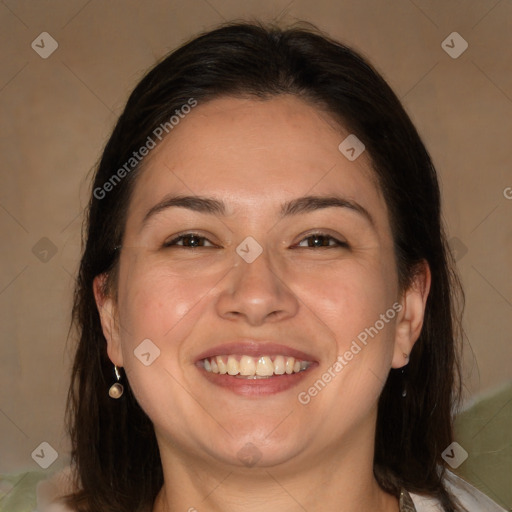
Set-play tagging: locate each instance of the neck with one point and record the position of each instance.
(267, 492)
(341, 478)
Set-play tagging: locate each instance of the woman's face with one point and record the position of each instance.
(268, 275)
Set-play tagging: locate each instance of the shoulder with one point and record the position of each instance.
(468, 495)
(50, 490)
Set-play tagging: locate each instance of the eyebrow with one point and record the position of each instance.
(296, 206)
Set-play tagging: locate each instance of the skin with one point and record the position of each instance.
(255, 155)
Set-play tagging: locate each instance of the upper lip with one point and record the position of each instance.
(255, 349)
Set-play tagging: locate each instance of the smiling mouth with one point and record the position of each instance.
(248, 367)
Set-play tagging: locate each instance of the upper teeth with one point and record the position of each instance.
(263, 366)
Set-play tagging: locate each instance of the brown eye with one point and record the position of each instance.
(189, 241)
(321, 240)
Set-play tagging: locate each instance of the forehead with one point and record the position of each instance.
(253, 152)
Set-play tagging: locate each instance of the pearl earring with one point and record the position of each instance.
(117, 389)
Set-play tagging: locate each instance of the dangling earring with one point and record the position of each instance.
(404, 386)
(117, 389)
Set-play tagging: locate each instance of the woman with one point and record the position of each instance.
(266, 303)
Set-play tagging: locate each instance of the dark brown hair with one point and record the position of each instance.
(114, 449)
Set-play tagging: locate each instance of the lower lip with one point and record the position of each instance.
(256, 387)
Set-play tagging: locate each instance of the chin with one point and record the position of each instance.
(251, 451)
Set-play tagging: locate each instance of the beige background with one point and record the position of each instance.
(57, 113)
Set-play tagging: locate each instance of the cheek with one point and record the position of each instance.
(164, 308)
(350, 300)
(154, 298)
(356, 302)
(349, 297)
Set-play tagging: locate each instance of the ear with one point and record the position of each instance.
(109, 320)
(410, 318)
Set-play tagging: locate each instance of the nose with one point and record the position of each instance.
(255, 293)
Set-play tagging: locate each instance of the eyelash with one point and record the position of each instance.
(179, 238)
